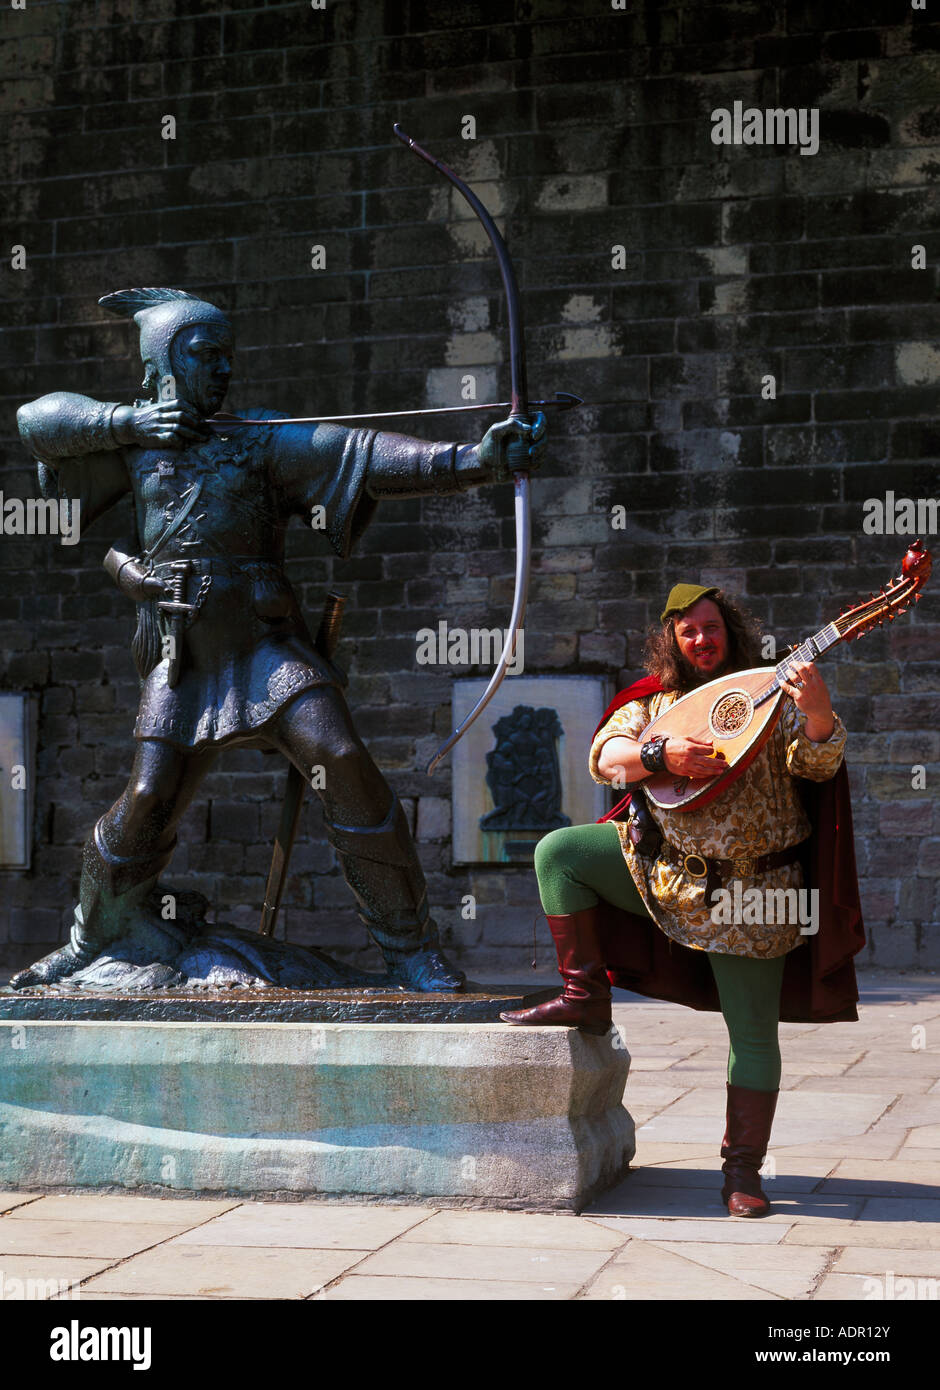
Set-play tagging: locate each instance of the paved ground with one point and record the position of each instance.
(855, 1164)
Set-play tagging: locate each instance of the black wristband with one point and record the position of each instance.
(652, 755)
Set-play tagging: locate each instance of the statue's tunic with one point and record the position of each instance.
(248, 650)
(759, 814)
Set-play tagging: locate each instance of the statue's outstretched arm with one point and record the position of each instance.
(400, 466)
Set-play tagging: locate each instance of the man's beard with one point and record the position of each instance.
(690, 677)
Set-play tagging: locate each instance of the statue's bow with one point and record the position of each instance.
(518, 450)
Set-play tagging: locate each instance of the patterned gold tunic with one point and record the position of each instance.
(759, 814)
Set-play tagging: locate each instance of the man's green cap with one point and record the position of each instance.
(682, 596)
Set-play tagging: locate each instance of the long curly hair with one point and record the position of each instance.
(664, 660)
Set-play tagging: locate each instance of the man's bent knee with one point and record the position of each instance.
(552, 850)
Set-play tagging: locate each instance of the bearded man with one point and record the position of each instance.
(222, 648)
(633, 901)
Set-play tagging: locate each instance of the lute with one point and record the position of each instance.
(738, 713)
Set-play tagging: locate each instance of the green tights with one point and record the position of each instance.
(583, 863)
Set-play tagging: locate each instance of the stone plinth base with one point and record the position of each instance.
(480, 1113)
(475, 1004)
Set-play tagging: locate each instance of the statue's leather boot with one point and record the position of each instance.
(111, 897)
(585, 1002)
(750, 1115)
(381, 866)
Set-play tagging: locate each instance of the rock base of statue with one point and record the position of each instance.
(187, 952)
(473, 1114)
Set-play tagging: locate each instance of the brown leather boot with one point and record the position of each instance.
(585, 1003)
(750, 1115)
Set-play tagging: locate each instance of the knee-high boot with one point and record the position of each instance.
(749, 1117)
(381, 866)
(111, 895)
(585, 1001)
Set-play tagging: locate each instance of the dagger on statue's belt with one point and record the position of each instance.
(175, 609)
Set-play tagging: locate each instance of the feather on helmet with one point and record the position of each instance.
(160, 314)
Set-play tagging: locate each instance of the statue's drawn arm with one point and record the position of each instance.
(65, 425)
(77, 455)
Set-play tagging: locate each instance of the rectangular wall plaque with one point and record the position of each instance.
(521, 769)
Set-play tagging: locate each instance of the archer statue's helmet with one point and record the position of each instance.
(160, 314)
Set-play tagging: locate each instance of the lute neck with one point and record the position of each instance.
(809, 650)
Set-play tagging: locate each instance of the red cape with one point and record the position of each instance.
(819, 984)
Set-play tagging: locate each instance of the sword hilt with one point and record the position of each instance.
(181, 570)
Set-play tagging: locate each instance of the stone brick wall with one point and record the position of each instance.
(593, 130)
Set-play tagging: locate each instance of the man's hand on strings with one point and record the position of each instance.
(808, 691)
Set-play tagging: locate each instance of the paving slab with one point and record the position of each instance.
(512, 1228)
(925, 1137)
(858, 1145)
(112, 1239)
(30, 1277)
(525, 1264)
(900, 1235)
(850, 1288)
(307, 1226)
(644, 1271)
(807, 1174)
(401, 1288)
(910, 1111)
(104, 1207)
(655, 1085)
(630, 1199)
(228, 1271)
(673, 1129)
(787, 1271)
(900, 1065)
(651, 1063)
(814, 1066)
(705, 1204)
(812, 1208)
(729, 1231)
(87, 1297)
(883, 1178)
(651, 1151)
(700, 1074)
(9, 1200)
(794, 1123)
(862, 1259)
(908, 1208)
(886, 1088)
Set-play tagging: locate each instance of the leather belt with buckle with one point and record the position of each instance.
(715, 871)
